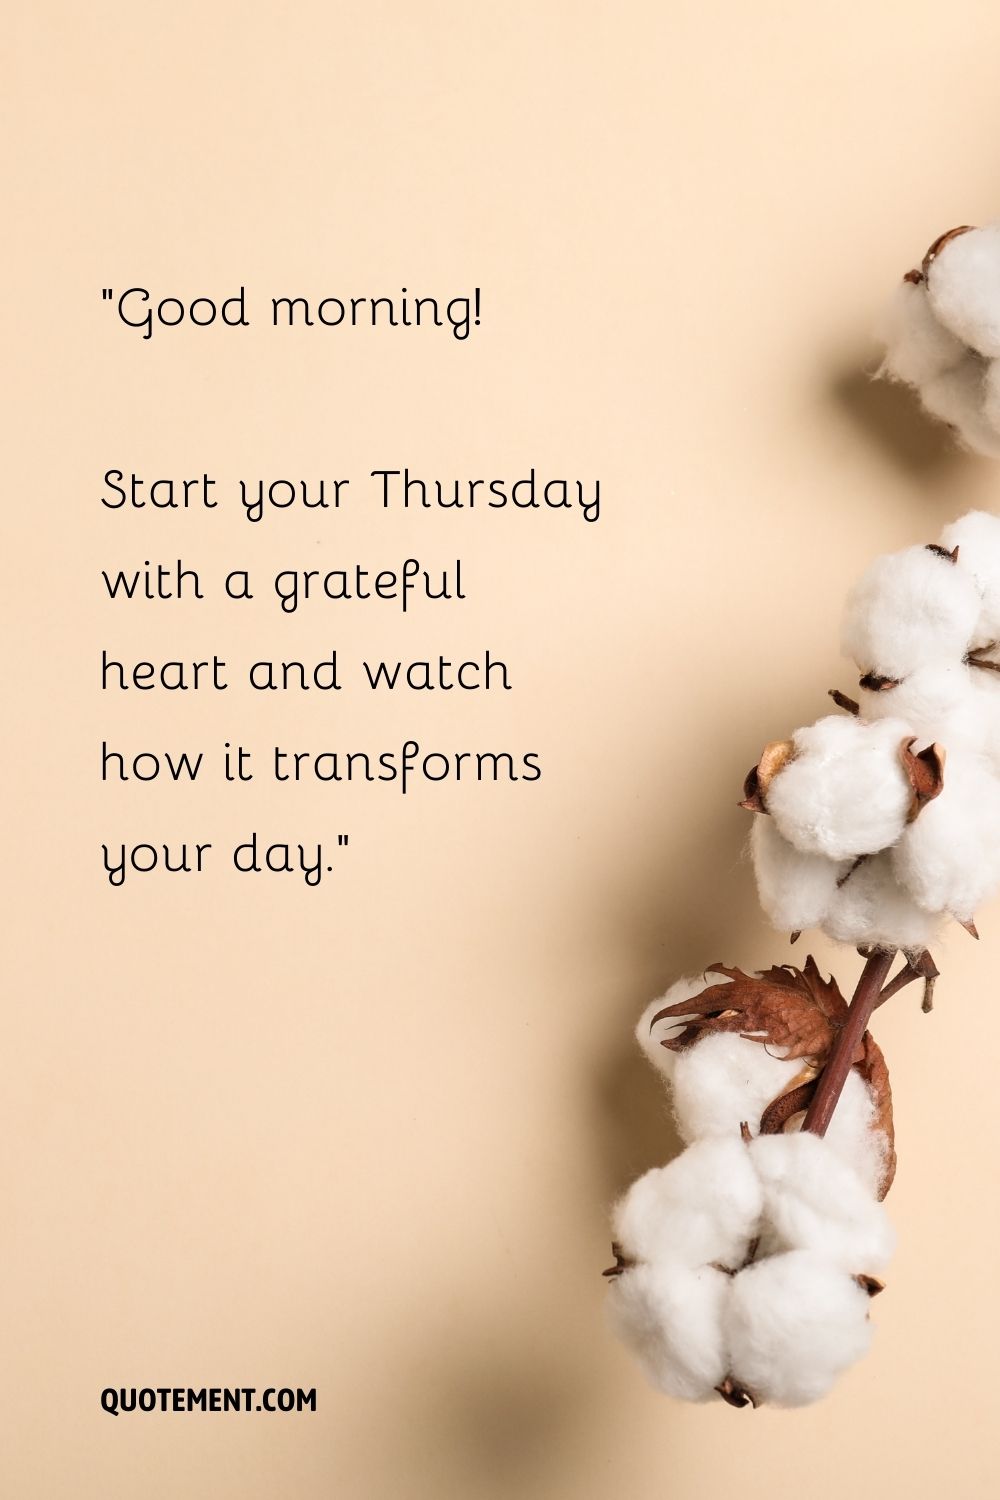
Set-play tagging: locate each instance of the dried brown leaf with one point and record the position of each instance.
(796, 1011)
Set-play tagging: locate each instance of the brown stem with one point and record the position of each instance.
(917, 966)
(841, 1059)
(849, 705)
(905, 976)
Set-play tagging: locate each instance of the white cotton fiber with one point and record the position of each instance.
(963, 287)
(959, 398)
(991, 396)
(873, 909)
(851, 1134)
(942, 336)
(948, 860)
(795, 889)
(795, 1322)
(909, 609)
(977, 537)
(726, 1079)
(917, 346)
(672, 1320)
(814, 1201)
(990, 689)
(650, 1037)
(844, 792)
(940, 701)
(701, 1208)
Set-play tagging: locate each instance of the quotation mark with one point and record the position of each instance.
(106, 293)
(341, 844)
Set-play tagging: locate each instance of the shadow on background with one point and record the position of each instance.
(496, 1395)
(890, 416)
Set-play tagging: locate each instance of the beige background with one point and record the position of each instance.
(365, 1138)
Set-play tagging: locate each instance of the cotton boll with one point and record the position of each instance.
(948, 860)
(873, 909)
(795, 1322)
(977, 537)
(795, 889)
(853, 1136)
(844, 792)
(917, 346)
(672, 1320)
(963, 288)
(940, 701)
(909, 609)
(814, 1201)
(703, 1207)
(724, 1080)
(651, 1037)
(959, 397)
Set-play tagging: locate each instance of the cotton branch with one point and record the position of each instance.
(744, 1269)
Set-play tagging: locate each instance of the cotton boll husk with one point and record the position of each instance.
(795, 1322)
(844, 792)
(963, 288)
(948, 859)
(795, 889)
(917, 346)
(908, 609)
(813, 1200)
(940, 701)
(704, 1206)
(650, 1037)
(872, 908)
(724, 1080)
(853, 1136)
(959, 397)
(672, 1320)
(977, 537)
